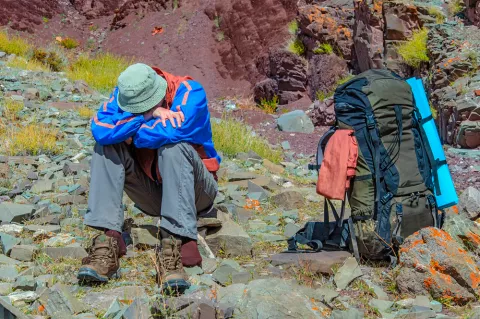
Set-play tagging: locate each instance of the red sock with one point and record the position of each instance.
(190, 255)
(121, 244)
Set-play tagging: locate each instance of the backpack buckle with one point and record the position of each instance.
(370, 121)
(386, 198)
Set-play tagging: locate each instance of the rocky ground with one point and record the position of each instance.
(260, 204)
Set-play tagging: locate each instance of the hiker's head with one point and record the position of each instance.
(140, 89)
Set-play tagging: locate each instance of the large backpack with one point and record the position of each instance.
(391, 195)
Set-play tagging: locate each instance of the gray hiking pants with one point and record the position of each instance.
(187, 188)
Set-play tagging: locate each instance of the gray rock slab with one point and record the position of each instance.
(60, 252)
(8, 241)
(143, 238)
(24, 252)
(25, 283)
(290, 230)
(231, 238)
(59, 302)
(48, 228)
(15, 213)
(347, 273)
(42, 186)
(289, 199)
(319, 262)
(8, 273)
(102, 300)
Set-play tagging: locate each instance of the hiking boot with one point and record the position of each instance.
(102, 261)
(171, 276)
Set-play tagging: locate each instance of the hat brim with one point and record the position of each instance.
(147, 104)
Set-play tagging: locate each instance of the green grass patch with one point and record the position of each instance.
(414, 51)
(269, 106)
(232, 137)
(324, 48)
(100, 72)
(293, 27)
(437, 14)
(296, 46)
(31, 65)
(13, 44)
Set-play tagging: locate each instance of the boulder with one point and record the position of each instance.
(226, 270)
(7, 242)
(230, 238)
(42, 186)
(324, 79)
(331, 22)
(295, 121)
(289, 199)
(469, 203)
(368, 35)
(265, 89)
(464, 231)
(8, 273)
(323, 113)
(25, 283)
(431, 261)
(469, 134)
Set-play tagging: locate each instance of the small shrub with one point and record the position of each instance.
(32, 139)
(93, 27)
(455, 7)
(220, 36)
(13, 45)
(45, 19)
(414, 51)
(100, 72)
(296, 46)
(269, 106)
(31, 65)
(232, 137)
(345, 79)
(50, 59)
(293, 27)
(321, 96)
(69, 43)
(437, 14)
(324, 48)
(86, 112)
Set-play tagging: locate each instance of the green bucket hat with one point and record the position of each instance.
(140, 88)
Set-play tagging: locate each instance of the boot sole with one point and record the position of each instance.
(175, 286)
(90, 275)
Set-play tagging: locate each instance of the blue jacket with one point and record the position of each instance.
(111, 125)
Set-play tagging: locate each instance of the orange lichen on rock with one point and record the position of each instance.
(378, 6)
(475, 278)
(474, 238)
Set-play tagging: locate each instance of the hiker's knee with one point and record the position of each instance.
(173, 153)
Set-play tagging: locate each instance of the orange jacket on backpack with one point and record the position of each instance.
(338, 165)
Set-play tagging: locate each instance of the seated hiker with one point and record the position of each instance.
(153, 141)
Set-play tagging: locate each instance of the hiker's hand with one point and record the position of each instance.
(164, 115)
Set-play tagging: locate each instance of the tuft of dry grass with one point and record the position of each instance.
(86, 112)
(11, 109)
(32, 139)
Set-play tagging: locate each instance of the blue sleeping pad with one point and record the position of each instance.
(444, 191)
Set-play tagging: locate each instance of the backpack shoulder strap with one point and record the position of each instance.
(321, 147)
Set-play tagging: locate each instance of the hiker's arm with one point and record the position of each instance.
(111, 125)
(195, 129)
